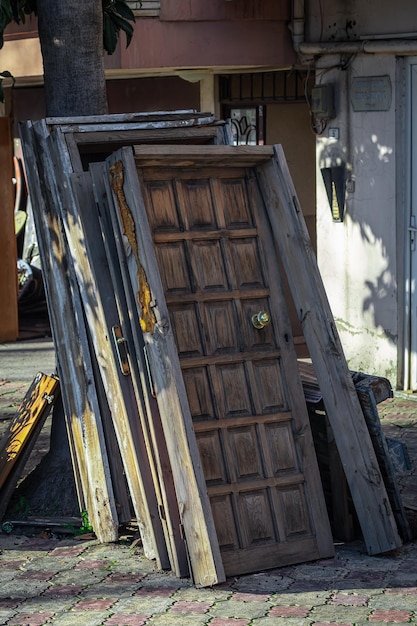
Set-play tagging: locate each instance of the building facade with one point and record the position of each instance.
(335, 83)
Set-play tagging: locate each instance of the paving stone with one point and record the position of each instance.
(240, 609)
(145, 605)
(126, 619)
(390, 616)
(30, 619)
(350, 599)
(72, 618)
(242, 596)
(263, 582)
(166, 619)
(278, 621)
(209, 594)
(220, 621)
(290, 611)
(306, 598)
(184, 607)
(94, 604)
(347, 614)
(394, 602)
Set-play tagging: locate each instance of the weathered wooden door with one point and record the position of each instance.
(221, 283)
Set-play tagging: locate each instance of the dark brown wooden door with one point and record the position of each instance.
(219, 271)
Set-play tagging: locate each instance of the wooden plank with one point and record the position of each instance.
(195, 511)
(129, 118)
(80, 401)
(342, 405)
(364, 389)
(191, 156)
(18, 440)
(89, 259)
(149, 415)
(9, 327)
(106, 139)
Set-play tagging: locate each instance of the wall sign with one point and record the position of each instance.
(371, 93)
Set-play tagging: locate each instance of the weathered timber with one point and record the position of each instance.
(18, 440)
(194, 507)
(88, 256)
(149, 413)
(339, 395)
(180, 115)
(192, 156)
(74, 366)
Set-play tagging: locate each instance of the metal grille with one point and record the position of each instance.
(263, 87)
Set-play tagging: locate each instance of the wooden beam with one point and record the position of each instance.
(339, 395)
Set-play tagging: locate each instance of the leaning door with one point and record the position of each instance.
(219, 272)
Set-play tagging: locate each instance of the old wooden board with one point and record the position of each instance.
(106, 134)
(20, 436)
(339, 395)
(194, 508)
(97, 292)
(241, 384)
(75, 370)
(88, 121)
(135, 355)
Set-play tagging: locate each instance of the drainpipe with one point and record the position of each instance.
(367, 46)
(393, 45)
(297, 23)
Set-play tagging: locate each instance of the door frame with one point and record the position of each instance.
(407, 220)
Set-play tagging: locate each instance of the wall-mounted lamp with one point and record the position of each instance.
(334, 179)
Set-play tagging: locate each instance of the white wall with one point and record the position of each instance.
(357, 258)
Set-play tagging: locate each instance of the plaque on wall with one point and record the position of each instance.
(371, 93)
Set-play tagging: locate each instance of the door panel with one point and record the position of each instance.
(257, 454)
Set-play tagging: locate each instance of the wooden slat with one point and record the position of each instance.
(97, 293)
(126, 118)
(18, 440)
(195, 511)
(75, 371)
(189, 156)
(149, 414)
(342, 405)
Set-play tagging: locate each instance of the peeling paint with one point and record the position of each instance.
(144, 297)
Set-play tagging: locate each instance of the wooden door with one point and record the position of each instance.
(219, 273)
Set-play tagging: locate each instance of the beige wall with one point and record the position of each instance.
(289, 125)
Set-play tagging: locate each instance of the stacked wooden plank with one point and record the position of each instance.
(177, 364)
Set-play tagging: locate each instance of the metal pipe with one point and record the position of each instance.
(297, 23)
(383, 46)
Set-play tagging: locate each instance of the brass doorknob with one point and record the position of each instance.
(261, 319)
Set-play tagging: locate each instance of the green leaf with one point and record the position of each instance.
(124, 10)
(122, 24)
(110, 34)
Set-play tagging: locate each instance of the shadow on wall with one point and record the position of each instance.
(372, 272)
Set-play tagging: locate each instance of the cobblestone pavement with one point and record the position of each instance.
(47, 579)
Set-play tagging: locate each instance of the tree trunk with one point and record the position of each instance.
(71, 37)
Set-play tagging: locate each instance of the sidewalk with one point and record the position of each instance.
(49, 580)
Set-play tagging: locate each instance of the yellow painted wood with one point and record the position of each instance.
(35, 406)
